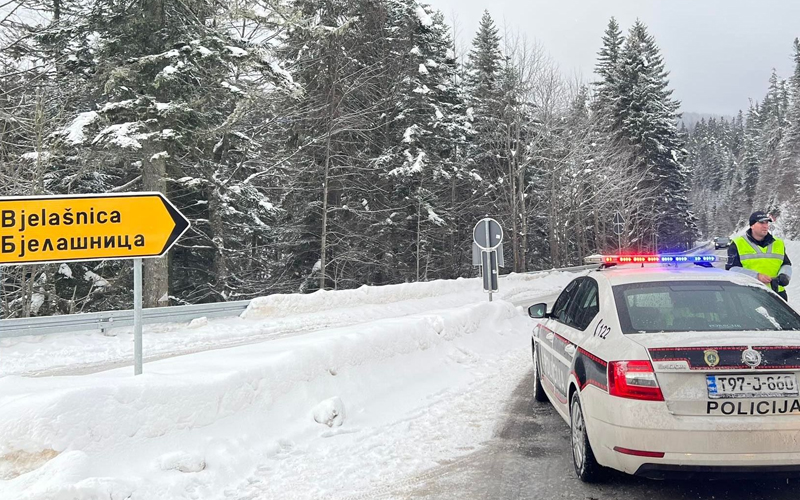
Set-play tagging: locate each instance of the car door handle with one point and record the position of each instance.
(569, 349)
(550, 336)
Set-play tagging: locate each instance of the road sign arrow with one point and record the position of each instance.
(38, 229)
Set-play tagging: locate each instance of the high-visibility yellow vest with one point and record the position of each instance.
(761, 260)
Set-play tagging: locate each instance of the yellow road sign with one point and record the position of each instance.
(37, 229)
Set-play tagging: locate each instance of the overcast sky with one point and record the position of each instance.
(719, 52)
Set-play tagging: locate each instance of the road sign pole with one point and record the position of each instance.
(137, 316)
(619, 227)
(489, 261)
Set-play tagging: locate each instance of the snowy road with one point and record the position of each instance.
(528, 458)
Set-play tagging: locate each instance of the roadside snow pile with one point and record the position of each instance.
(181, 462)
(329, 412)
(279, 305)
(196, 426)
(268, 318)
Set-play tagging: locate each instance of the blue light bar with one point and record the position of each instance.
(688, 258)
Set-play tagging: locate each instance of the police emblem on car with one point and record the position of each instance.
(751, 358)
(711, 356)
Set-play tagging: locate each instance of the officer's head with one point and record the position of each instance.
(759, 224)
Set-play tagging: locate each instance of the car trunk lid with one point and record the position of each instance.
(726, 373)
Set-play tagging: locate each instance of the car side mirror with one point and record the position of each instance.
(538, 311)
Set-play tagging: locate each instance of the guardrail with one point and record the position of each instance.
(104, 321)
(571, 269)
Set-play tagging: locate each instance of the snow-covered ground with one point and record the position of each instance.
(333, 395)
(330, 395)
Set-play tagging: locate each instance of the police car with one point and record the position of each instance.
(663, 368)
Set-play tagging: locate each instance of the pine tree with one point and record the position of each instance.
(498, 88)
(790, 145)
(769, 192)
(606, 101)
(484, 72)
(165, 89)
(736, 142)
(751, 159)
(427, 127)
(333, 60)
(648, 117)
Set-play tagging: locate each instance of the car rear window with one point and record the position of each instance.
(703, 306)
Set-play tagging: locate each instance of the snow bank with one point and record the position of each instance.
(290, 304)
(193, 426)
(276, 316)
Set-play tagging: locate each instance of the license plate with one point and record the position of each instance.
(773, 385)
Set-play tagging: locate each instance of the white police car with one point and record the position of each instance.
(671, 369)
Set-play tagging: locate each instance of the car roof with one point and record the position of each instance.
(636, 273)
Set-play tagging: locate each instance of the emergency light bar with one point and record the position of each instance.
(648, 259)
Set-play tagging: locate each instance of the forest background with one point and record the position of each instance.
(329, 144)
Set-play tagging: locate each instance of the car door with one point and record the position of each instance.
(555, 370)
(585, 330)
(579, 316)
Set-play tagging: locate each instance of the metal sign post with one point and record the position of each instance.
(491, 272)
(619, 227)
(70, 228)
(488, 240)
(137, 316)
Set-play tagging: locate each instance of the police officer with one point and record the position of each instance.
(760, 255)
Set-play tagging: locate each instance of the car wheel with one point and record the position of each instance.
(538, 390)
(586, 467)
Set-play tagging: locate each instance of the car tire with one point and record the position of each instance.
(538, 390)
(586, 466)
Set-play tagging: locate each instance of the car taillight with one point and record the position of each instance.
(633, 380)
(639, 453)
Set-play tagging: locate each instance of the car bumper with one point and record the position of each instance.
(663, 471)
(700, 442)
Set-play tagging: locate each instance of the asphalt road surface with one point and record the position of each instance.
(529, 458)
